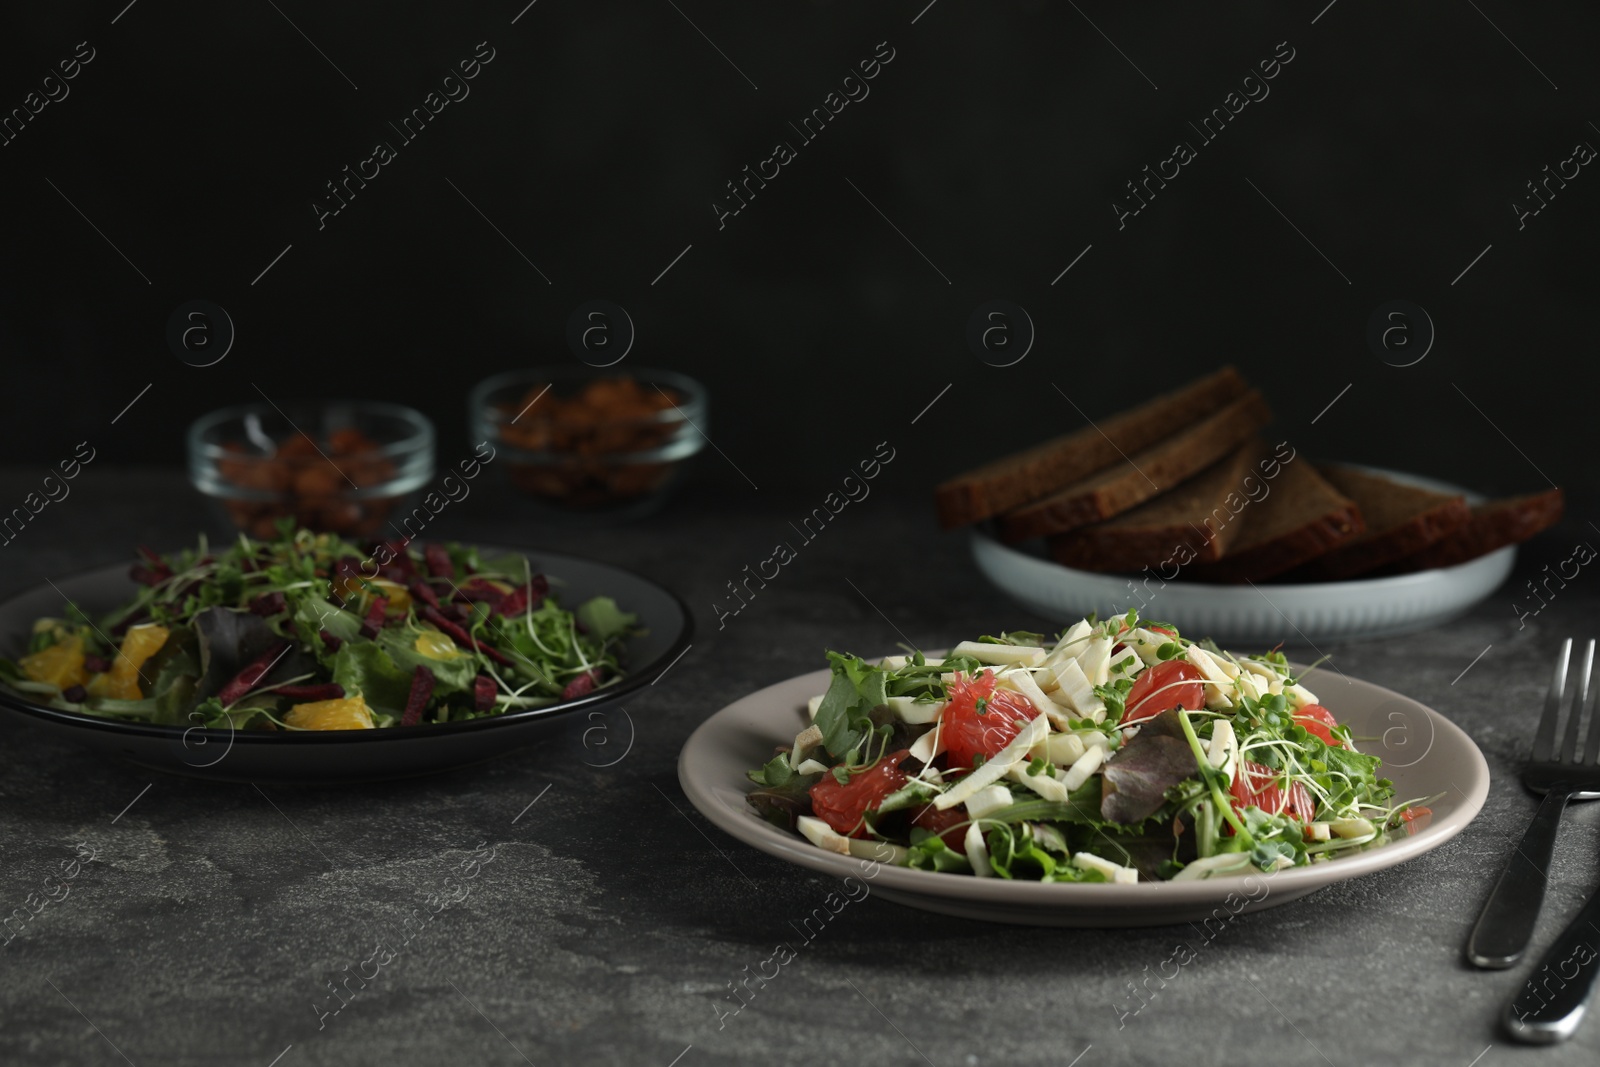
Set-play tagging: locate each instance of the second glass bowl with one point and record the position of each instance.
(582, 440)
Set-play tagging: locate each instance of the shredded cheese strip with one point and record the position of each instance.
(993, 769)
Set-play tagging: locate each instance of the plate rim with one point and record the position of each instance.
(12, 701)
(747, 828)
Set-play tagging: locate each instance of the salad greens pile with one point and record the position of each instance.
(310, 632)
(1118, 751)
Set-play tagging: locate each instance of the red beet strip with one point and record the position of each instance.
(150, 574)
(420, 590)
(583, 683)
(374, 620)
(438, 561)
(477, 590)
(251, 676)
(325, 691)
(399, 567)
(421, 690)
(333, 641)
(269, 604)
(518, 601)
(483, 693)
(460, 636)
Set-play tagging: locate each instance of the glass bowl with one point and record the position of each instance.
(341, 467)
(581, 440)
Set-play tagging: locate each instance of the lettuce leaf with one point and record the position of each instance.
(781, 805)
(365, 668)
(603, 619)
(1136, 780)
(454, 675)
(313, 614)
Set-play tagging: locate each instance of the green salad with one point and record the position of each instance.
(311, 632)
(1118, 751)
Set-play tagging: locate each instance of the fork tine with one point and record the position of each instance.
(1591, 752)
(1580, 696)
(1544, 742)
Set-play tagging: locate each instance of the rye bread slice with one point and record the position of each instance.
(1198, 518)
(1401, 519)
(1028, 475)
(1493, 525)
(1301, 516)
(1144, 474)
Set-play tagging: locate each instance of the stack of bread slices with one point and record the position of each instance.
(1185, 481)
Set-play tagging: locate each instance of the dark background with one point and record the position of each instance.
(996, 140)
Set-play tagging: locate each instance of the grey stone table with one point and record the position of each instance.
(611, 919)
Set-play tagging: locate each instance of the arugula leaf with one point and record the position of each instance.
(1082, 807)
(928, 852)
(775, 772)
(1018, 853)
(845, 714)
(921, 680)
(1267, 853)
(1013, 637)
(914, 794)
(208, 712)
(1050, 839)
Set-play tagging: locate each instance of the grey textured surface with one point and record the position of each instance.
(611, 919)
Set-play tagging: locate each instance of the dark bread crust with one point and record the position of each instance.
(1024, 476)
(1493, 525)
(1303, 517)
(1143, 475)
(1192, 518)
(1401, 519)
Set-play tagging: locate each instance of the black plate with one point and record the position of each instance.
(351, 755)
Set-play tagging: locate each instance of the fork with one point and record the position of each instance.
(1506, 925)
